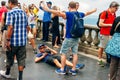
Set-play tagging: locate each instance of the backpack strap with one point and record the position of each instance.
(117, 26)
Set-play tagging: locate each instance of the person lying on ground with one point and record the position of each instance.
(49, 56)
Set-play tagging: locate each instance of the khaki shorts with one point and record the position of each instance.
(103, 41)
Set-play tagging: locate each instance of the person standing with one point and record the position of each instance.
(46, 21)
(55, 29)
(2, 10)
(69, 41)
(113, 49)
(33, 29)
(17, 23)
(106, 20)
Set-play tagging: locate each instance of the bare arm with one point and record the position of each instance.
(2, 20)
(56, 12)
(90, 12)
(37, 59)
(52, 50)
(101, 23)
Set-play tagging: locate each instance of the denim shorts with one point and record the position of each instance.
(70, 43)
(32, 26)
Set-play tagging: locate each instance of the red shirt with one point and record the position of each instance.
(109, 20)
(2, 10)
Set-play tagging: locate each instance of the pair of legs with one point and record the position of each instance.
(67, 44)
(66, 62)
(57, 61)
(45, 30)
(20, 52)
(115, 68)
(103, 42)
(32, 38)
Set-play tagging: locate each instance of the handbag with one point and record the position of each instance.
(113, 45)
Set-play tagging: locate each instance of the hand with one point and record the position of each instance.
(94, 10)
(8, 45)
(45, 54)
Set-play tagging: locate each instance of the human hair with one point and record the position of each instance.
(14, 2)
(3, 3)
(72, 4)
(114, 4)
(55, 8)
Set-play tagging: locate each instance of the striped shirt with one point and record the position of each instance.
(19, 21)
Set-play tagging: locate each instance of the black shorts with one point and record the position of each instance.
(50, 59)
(20, 52)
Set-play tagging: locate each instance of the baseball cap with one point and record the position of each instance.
(40, 45)
(114, 4)
(49, 2)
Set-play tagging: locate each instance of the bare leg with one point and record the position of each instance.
(100, 52)
(69, 63)
(75, 60)
(56, 46)
(63, 61)
(33, 43)
(57, 63)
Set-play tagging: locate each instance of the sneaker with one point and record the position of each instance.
(101, 63)
(2, 73)
(35, 51)
(80, 66)
(59, 71)
(73, 72)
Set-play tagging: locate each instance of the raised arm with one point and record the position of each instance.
(52, 50)
(90, 12)
(56, 12)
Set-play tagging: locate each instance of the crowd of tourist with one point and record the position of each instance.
(18, 24)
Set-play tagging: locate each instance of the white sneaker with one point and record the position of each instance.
(2, 73)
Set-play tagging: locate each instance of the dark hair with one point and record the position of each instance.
(15, 2)
(72, 4)
(3, 3)
(114, 4)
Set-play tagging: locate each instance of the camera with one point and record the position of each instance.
(47, 51)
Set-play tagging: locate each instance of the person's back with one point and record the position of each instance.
(69, 22)
(19, 22)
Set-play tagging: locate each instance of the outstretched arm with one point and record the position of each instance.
(56, 12)
(90, 12)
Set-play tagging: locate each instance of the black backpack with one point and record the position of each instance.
(106, 16)
(77, 29)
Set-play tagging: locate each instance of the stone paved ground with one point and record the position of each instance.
(43, 71)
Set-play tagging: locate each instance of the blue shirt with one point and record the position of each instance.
(69, 22)
(45, 58)
(18, 19)
(46, 16)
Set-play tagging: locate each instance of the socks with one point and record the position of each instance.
(20, 75)
(7, 71)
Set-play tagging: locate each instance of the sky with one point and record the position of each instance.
(85, 5)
